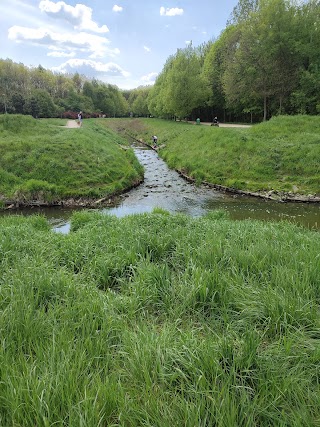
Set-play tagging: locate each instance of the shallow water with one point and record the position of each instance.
(165, 188)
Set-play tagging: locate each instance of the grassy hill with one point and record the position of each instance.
(44, 161)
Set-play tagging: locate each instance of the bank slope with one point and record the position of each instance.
(279, 157)
(44, 162)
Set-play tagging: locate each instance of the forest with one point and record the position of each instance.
(265, 62)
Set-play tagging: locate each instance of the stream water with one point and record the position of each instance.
(165, 188)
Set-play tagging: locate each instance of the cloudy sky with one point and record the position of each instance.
(123, 42)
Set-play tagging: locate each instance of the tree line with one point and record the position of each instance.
(42, 93)
(265, 62)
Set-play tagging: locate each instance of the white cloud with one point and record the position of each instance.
(93, 45)
(117, 8)
(80, 16)
(188, 42)
(147, 49)
(170, 12)
(149, 78)
(61, 54)
(91, 68)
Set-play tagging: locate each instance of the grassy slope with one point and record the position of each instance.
(39, 159)
(282, 154)
(159, 320)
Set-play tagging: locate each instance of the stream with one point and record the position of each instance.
(166, 189)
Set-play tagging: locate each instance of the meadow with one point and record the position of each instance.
(159, 320)
(43, 161)
(281, 155)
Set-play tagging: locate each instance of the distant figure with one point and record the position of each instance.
(215, 122)
(80, 117)
(154, 139)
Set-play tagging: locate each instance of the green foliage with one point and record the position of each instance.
(158, 320)
(265, 61)
(41, 93)
(184, 87)
(39, 104)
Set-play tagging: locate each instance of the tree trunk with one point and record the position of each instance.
(265, 108)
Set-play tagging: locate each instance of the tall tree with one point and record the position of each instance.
(186, 88)
(264, 63)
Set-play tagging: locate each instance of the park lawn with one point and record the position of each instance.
(159, 320)
(42, 160)
(281, 154)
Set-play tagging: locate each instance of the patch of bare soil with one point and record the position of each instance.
(72, 124)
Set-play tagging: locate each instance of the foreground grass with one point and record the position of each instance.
(40, 160)
(282, 154)
(159, 320)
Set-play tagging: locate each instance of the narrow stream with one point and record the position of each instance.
(165, 188)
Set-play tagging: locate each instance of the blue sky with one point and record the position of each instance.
(122, 42)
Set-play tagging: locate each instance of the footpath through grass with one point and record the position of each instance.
(159, 320)
(43, 161)
(281, 155)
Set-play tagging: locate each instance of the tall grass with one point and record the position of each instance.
(159, 320)
(280, 155)
(41, 160)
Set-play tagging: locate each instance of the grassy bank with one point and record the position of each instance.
(43, 161)
(281, 155)
(159, 320)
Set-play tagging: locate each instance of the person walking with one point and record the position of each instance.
(154, 140)
(80, 118)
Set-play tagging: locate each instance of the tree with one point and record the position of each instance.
(305, 97)
(264, 63)
(185, 87)
(40, 104)
(218, 55)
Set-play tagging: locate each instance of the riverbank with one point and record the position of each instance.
(276, 160)
(43, 163)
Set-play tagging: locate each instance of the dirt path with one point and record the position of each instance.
(72, 124)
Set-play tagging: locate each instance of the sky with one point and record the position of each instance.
(121, 42)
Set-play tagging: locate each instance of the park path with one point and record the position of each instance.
(225, 125)
(72, 124)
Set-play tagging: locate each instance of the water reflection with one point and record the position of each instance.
(166, 189)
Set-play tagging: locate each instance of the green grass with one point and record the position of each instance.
(282, 154)
(40, 160)
(159, 320)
